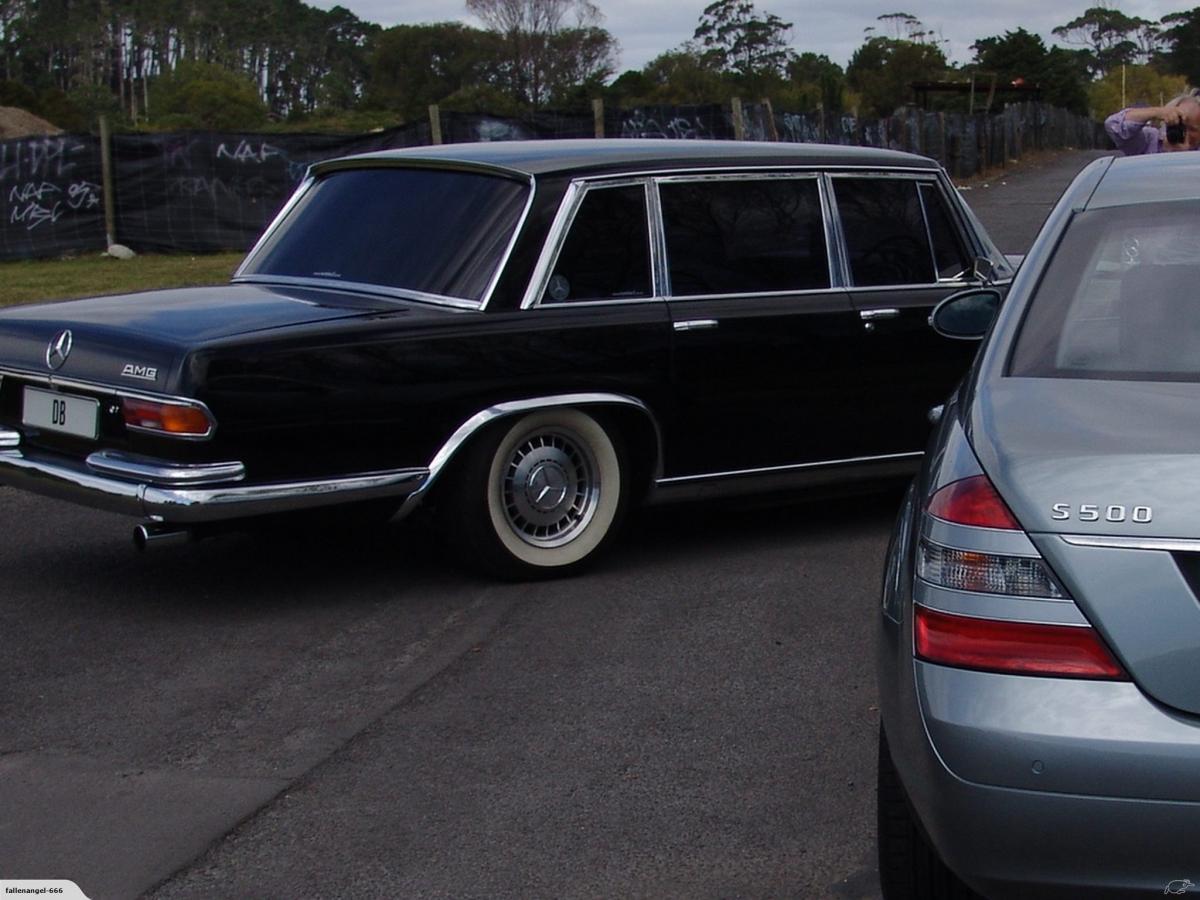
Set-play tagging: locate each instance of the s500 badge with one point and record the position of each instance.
(145, 373)
(1094, 512)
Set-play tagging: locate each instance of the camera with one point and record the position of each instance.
(1176, 133)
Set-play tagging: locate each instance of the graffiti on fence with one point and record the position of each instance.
(684, 128)
(250, 153)
(42, 181)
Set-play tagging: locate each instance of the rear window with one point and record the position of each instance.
(434, 232)
(1120, 299)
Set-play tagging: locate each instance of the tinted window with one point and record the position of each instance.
(885, 231)
(1120, 298)
(606, 254)
(436, 232)
(741, 237)
(948, 254)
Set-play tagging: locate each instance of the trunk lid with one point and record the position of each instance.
(139, 341)
(1105, 476)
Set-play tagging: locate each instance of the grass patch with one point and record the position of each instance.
(33, 280)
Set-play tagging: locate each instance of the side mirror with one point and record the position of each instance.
(967, 315)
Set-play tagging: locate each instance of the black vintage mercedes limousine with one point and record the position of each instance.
(537, 334)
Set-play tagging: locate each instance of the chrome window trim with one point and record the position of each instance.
(683, 298)
(361, 288)
(240, 277)
(490, 290)
(936, 186)
(751, 168)
(564, 218)
(927, 177)
(781, 174)
(303, 188)
(1170, 545)
(108, 390)
(795, 467)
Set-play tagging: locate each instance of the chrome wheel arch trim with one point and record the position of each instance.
(507, 409)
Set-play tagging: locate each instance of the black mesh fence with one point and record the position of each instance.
(53, 201)
(201, 191)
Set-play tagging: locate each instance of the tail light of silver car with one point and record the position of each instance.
(987, 600)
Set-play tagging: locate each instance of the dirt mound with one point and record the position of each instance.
(17, 123)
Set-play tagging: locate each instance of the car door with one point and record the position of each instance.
(904, 252)
(764, 342)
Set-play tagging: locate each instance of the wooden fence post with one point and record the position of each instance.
(106, 176)
(772, 131)
(739, 123)
(435, 124)
(598, 116)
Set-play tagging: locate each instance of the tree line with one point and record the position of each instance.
(230, 64)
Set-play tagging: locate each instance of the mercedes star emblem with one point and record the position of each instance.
(59, 349)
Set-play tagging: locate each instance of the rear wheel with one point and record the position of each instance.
(909, 866)
(540, 497)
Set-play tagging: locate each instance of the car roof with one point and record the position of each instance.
(1150, 178)
(599, 156)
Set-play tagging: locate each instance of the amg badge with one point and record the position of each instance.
(145, 373)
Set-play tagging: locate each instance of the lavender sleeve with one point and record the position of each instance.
(1132, 138)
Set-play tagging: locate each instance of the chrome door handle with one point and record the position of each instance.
(696, 324)
(874, 315)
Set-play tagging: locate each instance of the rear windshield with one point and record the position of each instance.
(433, 232)
(1120, 299)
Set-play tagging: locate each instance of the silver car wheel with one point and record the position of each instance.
(553, 488)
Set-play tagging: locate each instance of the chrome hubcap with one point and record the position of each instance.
(550, 488)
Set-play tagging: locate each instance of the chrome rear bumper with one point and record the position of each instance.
(186, 494)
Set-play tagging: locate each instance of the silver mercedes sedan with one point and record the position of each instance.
(1039, 652)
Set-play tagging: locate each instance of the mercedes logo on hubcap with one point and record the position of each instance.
(59, 349)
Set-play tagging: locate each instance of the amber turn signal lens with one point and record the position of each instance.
(169, 418)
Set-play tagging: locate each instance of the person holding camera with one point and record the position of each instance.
(1134, 130)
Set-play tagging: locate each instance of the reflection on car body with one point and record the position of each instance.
(537, 334)
(1040, 627)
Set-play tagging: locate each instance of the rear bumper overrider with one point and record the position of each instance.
(186, 494)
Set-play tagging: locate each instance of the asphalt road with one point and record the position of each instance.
(334, 715)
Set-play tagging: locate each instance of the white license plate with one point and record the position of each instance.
(61, 412)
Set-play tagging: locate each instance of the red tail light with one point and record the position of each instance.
(168, 418)
(972, 501)
(1013, 647)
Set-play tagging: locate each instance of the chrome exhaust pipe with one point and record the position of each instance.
(151, 534)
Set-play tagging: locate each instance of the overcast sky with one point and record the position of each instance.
(646, 28)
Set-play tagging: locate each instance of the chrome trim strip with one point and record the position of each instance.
(471, 426)
(1170, 545)
(512, 244)
(359, 287)
(160, 472)
(871, 315)
(214, 504)
(797, 467)
(563, 217)
(284, 212)
(835, 237)
(764, 174)
(1021, 610)
(806, 292)
(658, 241)
(193, 505)
(9, 439)
(750, 167)
(1001, 541)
